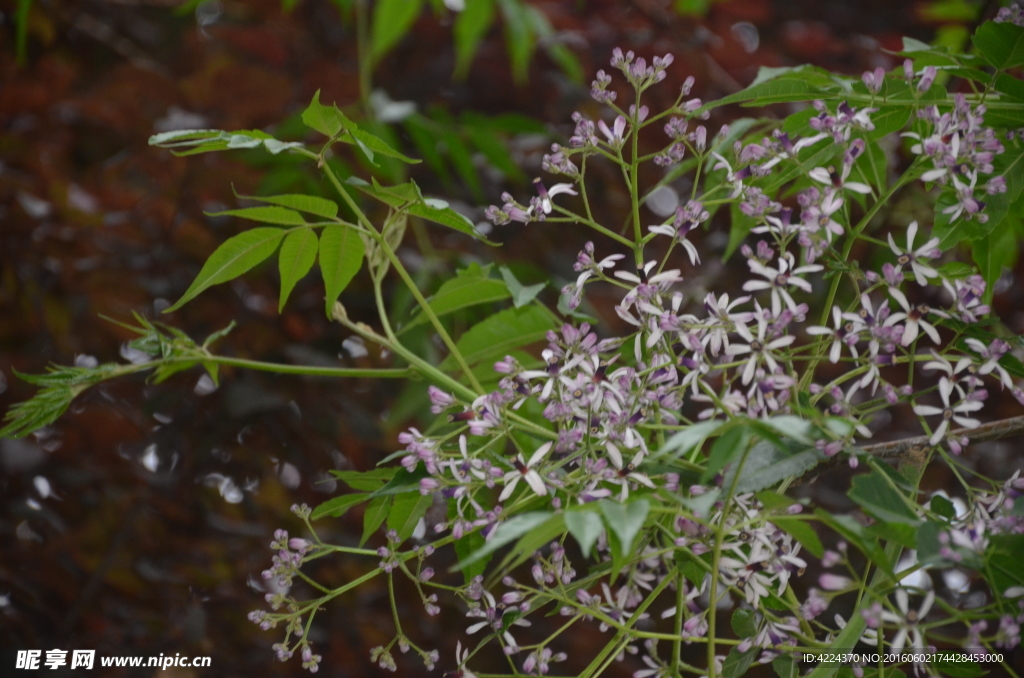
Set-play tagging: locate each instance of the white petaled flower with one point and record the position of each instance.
(829, 177)
(615, 135)
(526, 471)
(949, 412)
(777, 279)
(547, 193)
(819, 217)
(907, 621)
(915, 257)
(758, 348)
(461, 657)
(846, 332)
(992, 353)
(915, 319)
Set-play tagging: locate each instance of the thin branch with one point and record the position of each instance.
(993, 430)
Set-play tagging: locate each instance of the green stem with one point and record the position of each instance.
(409, 282)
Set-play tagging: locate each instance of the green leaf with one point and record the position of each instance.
(1002, 44)
(773, 500)
(957, 669)
(406, 511)
(955, 270)
(298, 252)
(332, 123)
(446, 216)
(486, 140)
(268, 215)
(1003, 562)
(730, 446)
(310, 204)
(736, 663)
(625, 520)
(785, 666)
(532, 541)
(767, 465)
(471, 25)
(802, 532)
(586, 526)
(341, 257)
(392, 19)
(374, 517)
(322, 118)
(336, 506)
(492, 338)
(366, 480)
(512, 528)
(873, 493)
(689, 438)
(744, 623)
(464, 547)
(469, 288)
(233, 258)
(803, 83)
(943, 507)
(519, 38)
(521, 296)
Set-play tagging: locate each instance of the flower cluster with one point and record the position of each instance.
(580, 432)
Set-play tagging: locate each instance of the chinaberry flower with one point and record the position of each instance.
(916, 258)
(838, 179)
(616, 134)
(846, 332)
(758, 347)
(547, 193)
(949, 412)
(778, 279)
(907, 621)
(914, 317)
(526, 470)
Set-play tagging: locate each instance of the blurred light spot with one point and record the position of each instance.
(484, 227)
(134, 355)
(747, 35)
(663, 201)
(178, 118)
(44, 488)
(162, 418)
(34, 505)
(420, 530)
(226, 486)
(208, 13)
(204, 386)
(5, 599)
(159, 305)
(455, 5)
(86, 361)
(956, 581)
(82, 200)
(355, 347)
(917, 579)
(36, 208)
(150, 460)
(387, 110)
(25, 533)
(288, 475)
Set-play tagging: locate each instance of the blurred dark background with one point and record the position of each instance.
(140, 521)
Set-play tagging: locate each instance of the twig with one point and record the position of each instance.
(993, 430)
